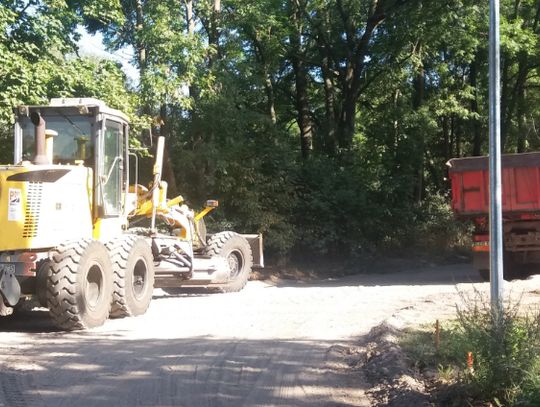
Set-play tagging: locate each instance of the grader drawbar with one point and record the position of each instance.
(80, 235)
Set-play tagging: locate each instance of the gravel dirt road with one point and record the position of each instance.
(283, 343)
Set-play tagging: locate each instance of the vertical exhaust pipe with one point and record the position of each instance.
(157, 180)
(40, 157)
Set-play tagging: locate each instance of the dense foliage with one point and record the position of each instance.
(324, 124)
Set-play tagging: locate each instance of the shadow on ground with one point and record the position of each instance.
(439, 275)
(94, 369)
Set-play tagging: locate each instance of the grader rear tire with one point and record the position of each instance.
(133, 276)
(42, 282)
(237, 251)
(79, 285)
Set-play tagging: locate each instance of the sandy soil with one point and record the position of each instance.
(279, 343)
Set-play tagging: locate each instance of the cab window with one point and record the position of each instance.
(72, 143)
(111, 174)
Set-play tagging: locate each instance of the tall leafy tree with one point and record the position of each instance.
(325, 124)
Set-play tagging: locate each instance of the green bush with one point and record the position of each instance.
(505, 349)
(530, 395)
(352, 209)
(435, 227)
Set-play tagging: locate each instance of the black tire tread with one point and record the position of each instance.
(119, 250)
(61, 282)
(214, 247)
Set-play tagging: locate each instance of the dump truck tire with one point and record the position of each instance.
(484, 274)
(236, 249)
(133, 276)
(79, 285)
(512, 268)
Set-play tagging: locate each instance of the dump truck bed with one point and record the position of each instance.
(520, 184)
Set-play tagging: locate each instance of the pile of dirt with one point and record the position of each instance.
(394, 382)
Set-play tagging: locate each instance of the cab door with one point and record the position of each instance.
(112, 168)
(111, 219)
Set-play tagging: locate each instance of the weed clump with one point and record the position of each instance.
(482, 357)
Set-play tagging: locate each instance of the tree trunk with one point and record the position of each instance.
(330, 112)
(330, 142)
(446, 138)
(139, 25)
(452, 137)
(213, 32)
(302, 107)
(521, 103)
(352, 74)
(347, 119)
(508, 98)
(194, 131)
(477, 128)
(455, 130)
(141, 57)
(418, 101)
(269, 87)
(419, 81)
(395, 137)
(301, 82)
(190, 24)
(268, 82)
(506, 103)
(190, 20)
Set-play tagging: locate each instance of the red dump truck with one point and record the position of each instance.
(521, 209)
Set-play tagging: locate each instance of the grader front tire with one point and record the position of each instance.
(237, 251)
(79, 285)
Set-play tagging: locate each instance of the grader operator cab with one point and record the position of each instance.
(83, 237)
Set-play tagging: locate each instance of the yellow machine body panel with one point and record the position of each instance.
(106, 229)
(43, 206)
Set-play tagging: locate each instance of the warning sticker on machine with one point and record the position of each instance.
(15, 204)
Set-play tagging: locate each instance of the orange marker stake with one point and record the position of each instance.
(470, 362)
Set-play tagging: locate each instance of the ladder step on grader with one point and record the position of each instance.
(79, 234)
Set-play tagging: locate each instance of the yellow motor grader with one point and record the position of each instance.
(83, 237)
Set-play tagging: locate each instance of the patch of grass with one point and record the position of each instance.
(505, 352)
(530, 395)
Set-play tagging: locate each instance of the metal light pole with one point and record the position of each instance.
(495, 212)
